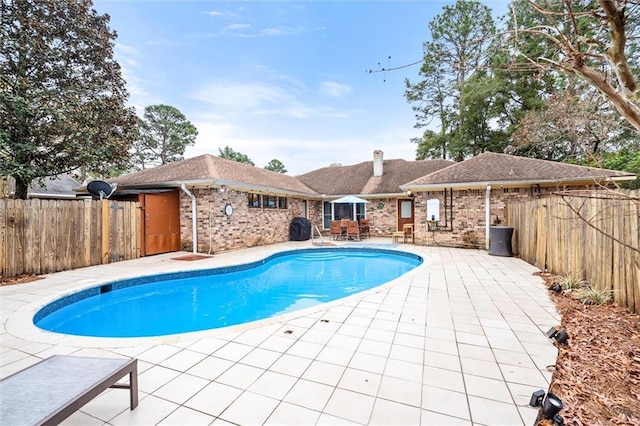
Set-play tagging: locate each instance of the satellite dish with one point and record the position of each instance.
(101, 189)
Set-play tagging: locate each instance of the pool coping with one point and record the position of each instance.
(20, 324)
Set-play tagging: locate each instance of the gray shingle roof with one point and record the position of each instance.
(491, 167)
(359, 179)
(208, 167)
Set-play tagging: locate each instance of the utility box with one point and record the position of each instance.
(433, 210)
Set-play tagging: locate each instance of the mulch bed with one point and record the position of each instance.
(19, 280)
(597, 374)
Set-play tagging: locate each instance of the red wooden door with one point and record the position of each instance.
(161, 223)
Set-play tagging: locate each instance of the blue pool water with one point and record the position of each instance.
(206, 299)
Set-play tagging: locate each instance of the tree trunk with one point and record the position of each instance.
(22, 188)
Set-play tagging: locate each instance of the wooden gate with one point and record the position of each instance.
(161, 218)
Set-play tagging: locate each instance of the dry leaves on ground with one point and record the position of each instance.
(597, 374)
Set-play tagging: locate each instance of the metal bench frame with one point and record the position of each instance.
(20, 389)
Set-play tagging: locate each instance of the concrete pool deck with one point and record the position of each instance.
(458, 340)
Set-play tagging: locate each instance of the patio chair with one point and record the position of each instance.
(364, 228)
(353, 230)
(335, 230)
(50, 391)
(407, 233)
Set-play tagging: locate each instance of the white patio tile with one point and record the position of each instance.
(403, 370)
(151, 410)
(183, 360)
(309, 394)
(491, 412)
(305, 349)
(430, 418)
(360, 381)
(345, 342)
(210, 367)
(291, 365)
(368, 362)
(400, 391)
(155, 377)
(442, 360)
(262, 358)
(328, 420)
(476, 352)
(233, 351)
(349, 405)
(445, 402)
(406, 353)
(272, 384)
(446, 379)
(207, 346)
(487, 388)
(214, 398)
(80, 418)
(522, 375)
(250, 409)
(392, 413)
(374, 348)
(186, 416)
(109, 404)
(334, 355)
(181, 388)
(482, 368)
(440, 345)
(157, 354)
(288, 414)
(240, 376)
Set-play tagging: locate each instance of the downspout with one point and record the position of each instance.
(487, 215)
(194, 217)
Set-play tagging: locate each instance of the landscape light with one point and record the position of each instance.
(551, 406)
(561, 337)
(552, 332)
(536, 398)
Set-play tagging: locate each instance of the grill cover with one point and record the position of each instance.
(300, 229)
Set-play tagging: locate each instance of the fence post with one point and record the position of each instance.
(105, 230)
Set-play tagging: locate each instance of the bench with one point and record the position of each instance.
(51, 390)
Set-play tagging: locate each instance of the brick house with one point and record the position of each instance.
(224, 205)
(457, 205)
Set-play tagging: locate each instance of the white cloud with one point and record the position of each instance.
(237, 26)
(214, 13)
(249, 96)
(334, 89)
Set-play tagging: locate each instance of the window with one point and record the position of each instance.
(254, 200)
(326, 214)
(282, 203)
(269, 201)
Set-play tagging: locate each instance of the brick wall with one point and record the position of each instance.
(468, 210)
(246, 227)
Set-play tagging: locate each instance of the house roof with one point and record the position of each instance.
(209, 170)
(495, 168)
(359, 179)
(59, 186)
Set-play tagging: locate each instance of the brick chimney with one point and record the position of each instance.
(377, 163)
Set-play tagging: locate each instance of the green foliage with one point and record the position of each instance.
(230, 154)
(62, 96)
(589, 295)
(453, 94)
(276, 165)
(572, 281)
(164, 135)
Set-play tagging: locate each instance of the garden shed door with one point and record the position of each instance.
(161, 221)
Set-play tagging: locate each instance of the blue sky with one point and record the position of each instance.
(276, 79)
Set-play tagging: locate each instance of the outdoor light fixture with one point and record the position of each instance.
(536, 398)
(560, 336)
(556, 288)
(550, 406)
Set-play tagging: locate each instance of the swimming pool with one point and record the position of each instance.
(213, 298)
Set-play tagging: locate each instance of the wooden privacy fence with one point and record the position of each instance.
(595, 237)
(44, 236)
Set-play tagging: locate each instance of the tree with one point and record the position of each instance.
(230, 154)
(62, 96)
(577, 126)
(276, 166)
(164, 135)
(593, 40)
(461, 37)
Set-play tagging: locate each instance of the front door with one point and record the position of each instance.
(405, 212)
(161, 223)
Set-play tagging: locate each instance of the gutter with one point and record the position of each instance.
(487, 216)
(194, 217)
